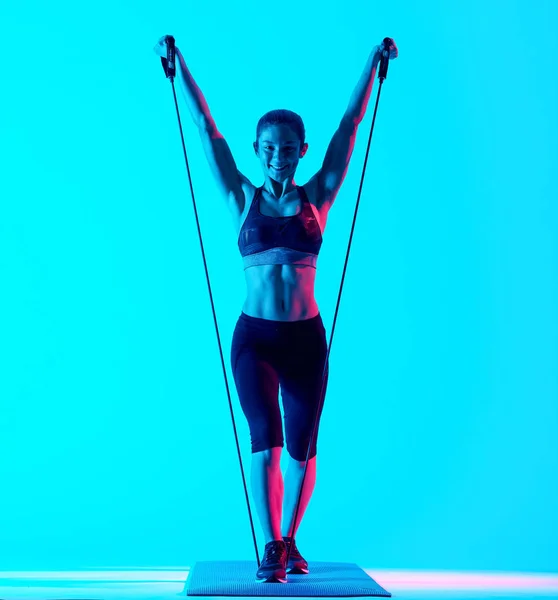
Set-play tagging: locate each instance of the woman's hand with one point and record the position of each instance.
(160, 48)
(393, 51)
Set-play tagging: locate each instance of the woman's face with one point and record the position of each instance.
(279, 150)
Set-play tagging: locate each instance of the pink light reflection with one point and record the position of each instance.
(449, 580)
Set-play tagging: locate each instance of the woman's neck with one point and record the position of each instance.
(279, 189)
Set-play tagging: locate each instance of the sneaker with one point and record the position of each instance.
(297, 565)
(273, 566)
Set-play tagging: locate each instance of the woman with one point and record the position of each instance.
(279, 339)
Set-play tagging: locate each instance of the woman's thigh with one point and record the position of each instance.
(257, 384)
(303, 387)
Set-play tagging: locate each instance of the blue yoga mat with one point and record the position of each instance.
(237, 578)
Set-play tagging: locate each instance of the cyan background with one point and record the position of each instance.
(438, 447)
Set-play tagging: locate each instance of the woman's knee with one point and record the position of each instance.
(300, 464)
(266, 436)
(298, 449)
(271, 457)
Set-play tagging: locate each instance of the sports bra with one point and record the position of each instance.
(266, 240)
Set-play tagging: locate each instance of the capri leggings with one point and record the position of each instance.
(266, 355)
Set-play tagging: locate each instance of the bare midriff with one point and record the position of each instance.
(280, 292)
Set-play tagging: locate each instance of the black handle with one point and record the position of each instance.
(169, 63)
(384, 61)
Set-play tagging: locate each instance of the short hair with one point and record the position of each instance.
(282, 116)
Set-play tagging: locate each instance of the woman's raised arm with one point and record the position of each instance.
(217, 151)
(192, 93)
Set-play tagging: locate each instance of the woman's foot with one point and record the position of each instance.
(297, 564)
(274, 563)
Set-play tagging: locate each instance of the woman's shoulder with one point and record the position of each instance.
(316, 200)
(248, 188)
(310, 188)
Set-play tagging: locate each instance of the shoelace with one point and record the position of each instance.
(273, 552)
(291, 543)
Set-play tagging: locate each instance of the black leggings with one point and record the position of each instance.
(266, 354)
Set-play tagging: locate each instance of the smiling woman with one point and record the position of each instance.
(280, 145)
(279, 340)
